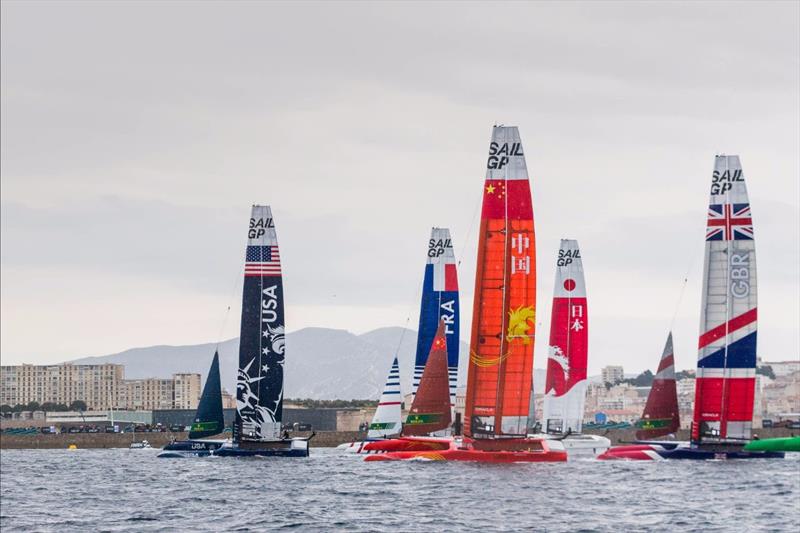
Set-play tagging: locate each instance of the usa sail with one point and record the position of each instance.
(565, 385)
(387, 420)
(661, 416)
(501, 347)
(725, 385)
(259, 386)
(209, 419)
(439, 302)
(430, 410)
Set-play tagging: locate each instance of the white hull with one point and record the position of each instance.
(579, 445)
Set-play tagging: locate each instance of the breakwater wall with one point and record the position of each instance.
(322, 439)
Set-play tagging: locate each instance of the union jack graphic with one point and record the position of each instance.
(729, 222)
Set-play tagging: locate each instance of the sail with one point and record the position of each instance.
(661, 416)
(501, 347)
(259, 385)
(430, 410)
(725, 385)
(209, 419)
(387, 420)
(439, 302)
(565, 386)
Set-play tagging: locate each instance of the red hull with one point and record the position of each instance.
(518, 451)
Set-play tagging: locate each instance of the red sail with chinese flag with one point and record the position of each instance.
(430, 411)
(501, 347)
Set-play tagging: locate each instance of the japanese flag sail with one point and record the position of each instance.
(726, 362)
(259, 384)
(500, 367)
(565, 386)
(439, 303)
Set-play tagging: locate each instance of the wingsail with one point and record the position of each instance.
(501, 347)
(661, 416)
(430, 410)
(726, 365)
(565, 386)
(259, 386)
(209, 419)
(439, 303)
(387, 420)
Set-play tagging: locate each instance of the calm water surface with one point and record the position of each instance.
(132, 490)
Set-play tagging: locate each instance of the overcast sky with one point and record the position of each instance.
(136, 136)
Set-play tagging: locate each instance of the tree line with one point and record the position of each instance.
(77, 405)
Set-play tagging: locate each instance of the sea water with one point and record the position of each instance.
(133, 490)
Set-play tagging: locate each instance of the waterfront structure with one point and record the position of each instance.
(97, 385)
(187, 391)
(100, 386)
(612, 374)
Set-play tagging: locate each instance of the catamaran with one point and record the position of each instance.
(726, 365)
(565, 386)
(501, 349)
(262, 353)
(208, 421)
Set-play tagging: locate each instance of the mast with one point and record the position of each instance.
(430, 410)
(565, 387)
(439, 302)
(501, 347)
(725, 385)
(209, 419)
(387, 420)
(259, 386)
(661, 415)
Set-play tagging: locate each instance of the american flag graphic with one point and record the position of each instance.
(262, 261)
(728, 222)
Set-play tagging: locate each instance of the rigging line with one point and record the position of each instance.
(408, 319)
(468, 234)
(231, 296)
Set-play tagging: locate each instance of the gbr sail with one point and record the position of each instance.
(259, 384)
(661, 416)
(501, 348)
(565, 385)
(439, 303)
(726, 365)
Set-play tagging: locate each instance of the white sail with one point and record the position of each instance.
(387, 420)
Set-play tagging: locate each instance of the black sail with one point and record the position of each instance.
(209, 419)
(259, 386)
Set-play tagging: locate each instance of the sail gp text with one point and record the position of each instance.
(722, 182)
(258, 226)
(740, 274)
(498, 155)
(436, 247)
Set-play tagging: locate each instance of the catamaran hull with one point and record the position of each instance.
(278, 448)
(655, 452)
(190, 448)
(580, 445)
(518, 451)
(356, 446)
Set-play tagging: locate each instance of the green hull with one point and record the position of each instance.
(783, 444)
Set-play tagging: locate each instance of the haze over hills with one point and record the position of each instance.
(321, 363)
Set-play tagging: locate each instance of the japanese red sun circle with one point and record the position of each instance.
(569, 284)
